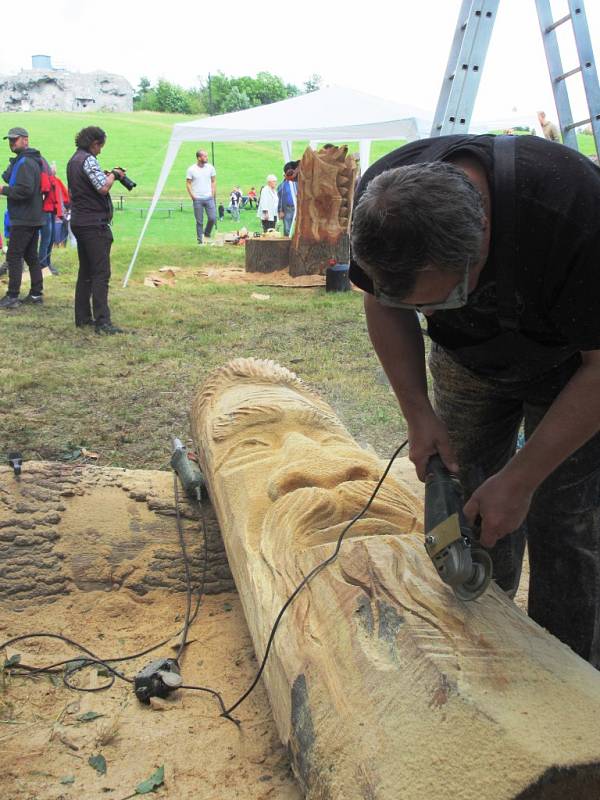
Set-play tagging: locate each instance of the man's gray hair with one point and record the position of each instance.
(413, 217)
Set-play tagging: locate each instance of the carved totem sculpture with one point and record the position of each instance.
(326, 181)
(384, 686)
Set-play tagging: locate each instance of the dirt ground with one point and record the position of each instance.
(45, 739)
(46, 745)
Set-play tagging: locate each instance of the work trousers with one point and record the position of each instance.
(23, 246)
(200, 205)
(91, 292)
(46, 239)
(562, 529)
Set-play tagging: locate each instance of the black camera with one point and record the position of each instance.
(125, 181)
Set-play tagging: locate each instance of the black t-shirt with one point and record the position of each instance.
(556, 257)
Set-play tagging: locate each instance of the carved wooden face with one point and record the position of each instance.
(280, 448)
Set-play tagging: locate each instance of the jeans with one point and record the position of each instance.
(562, 529)
(93, 248)
(46, 238)
(200, 204)
(289, 213)
(23, 246)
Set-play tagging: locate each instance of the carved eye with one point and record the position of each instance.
(249, 444)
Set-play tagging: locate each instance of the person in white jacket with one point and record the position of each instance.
(268, 203)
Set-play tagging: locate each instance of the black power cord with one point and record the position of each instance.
(94, 660)
(189, 619)
(309, 577)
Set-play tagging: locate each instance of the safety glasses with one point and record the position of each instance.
(457, 298)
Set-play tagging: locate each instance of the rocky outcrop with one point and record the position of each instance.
(59, 90)
(65, 527)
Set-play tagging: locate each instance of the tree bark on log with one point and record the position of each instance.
(384, 686)
(324, 204)
(267, 255)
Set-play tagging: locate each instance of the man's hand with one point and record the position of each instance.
(427, 435)
(502, 505)
(118, 173)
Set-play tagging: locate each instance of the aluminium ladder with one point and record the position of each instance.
(467, 56)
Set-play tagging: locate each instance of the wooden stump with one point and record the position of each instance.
(313, 258)
(267, 254)
(383, 684)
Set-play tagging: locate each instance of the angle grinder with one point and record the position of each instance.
(458, 557)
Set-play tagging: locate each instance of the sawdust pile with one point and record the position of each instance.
(47, 742)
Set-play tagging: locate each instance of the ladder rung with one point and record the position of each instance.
(567, 74)
(558, 22)
(581, 122)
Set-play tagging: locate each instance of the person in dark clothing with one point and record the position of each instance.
(287, 192)
(24, 204)
(496, 240)
(91, 215)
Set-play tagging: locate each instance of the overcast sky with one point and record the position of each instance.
(399, 54)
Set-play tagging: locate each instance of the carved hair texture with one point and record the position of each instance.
(254, 370)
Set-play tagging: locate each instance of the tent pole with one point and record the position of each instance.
(170, 156)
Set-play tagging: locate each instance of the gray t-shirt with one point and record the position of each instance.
(201, 179)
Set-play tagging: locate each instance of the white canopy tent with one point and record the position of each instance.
(334, 114)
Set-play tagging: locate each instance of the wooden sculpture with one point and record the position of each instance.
(325, 192)
(384, 686)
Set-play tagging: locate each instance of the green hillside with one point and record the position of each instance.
(138, 142)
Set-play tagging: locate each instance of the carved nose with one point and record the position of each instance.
(308, 463)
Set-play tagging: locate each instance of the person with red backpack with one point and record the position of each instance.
(27, 182)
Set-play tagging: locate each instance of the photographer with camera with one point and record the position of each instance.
(91, 215)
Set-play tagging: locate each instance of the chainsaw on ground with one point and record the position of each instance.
(459, 559)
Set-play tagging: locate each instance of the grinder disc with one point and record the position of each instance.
(480, 578)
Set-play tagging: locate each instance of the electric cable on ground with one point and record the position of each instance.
(226, 712)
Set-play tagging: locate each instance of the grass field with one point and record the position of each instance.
(123, 397)
(138, 142)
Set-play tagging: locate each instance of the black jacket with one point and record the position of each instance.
(24, 197)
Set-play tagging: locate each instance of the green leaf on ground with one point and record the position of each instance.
(68, 779)
(153, 782)
(98, 763)
(89, 716)
(12, 661)
(71, 454)
(227, 606)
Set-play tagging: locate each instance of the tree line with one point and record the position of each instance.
(218, 94)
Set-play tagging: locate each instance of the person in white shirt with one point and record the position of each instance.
(268, 204)
(201, 184)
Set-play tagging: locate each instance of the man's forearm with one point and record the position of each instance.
(570, 422)
(398, 341)
(188, 186)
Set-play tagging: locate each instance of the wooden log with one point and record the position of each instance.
(267, 254)
(384, 686)
(324, 204)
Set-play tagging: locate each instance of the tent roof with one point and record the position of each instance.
(332, 114)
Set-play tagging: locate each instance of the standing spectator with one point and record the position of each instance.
(268, 204)
(549, 129)
(91, 215)
(25, 180)
(234, 205)
(54, 206)
(252, 197)
(201, 184)
(287, 192)
(62, 201)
